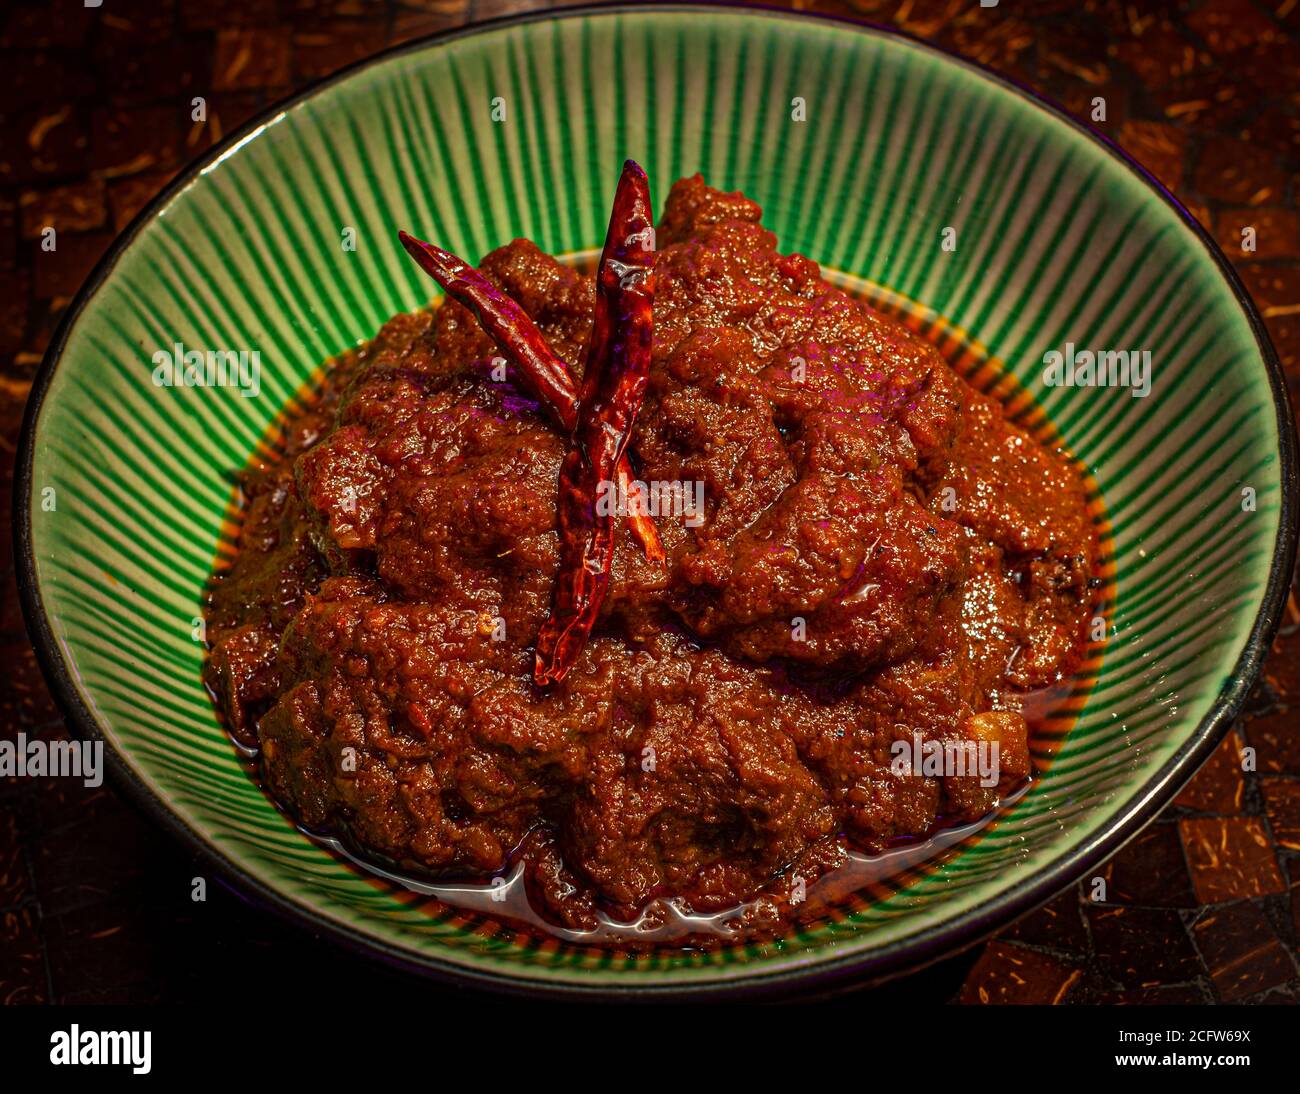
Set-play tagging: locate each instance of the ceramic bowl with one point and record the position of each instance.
(864, 149)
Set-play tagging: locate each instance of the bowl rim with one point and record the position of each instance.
(820, 975)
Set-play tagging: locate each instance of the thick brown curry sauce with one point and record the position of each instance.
(880, 558)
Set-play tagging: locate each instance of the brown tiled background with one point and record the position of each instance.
(1204, 906)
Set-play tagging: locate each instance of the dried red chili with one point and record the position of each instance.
(613, 387)
(543, 373)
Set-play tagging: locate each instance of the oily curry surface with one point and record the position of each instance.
(879, 557)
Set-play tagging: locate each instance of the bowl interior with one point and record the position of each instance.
(1057, 241)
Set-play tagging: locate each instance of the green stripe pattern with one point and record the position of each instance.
(1056, 242)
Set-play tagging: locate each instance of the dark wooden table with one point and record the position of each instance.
(94, 117)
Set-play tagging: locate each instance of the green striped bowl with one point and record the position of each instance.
(123, 485)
